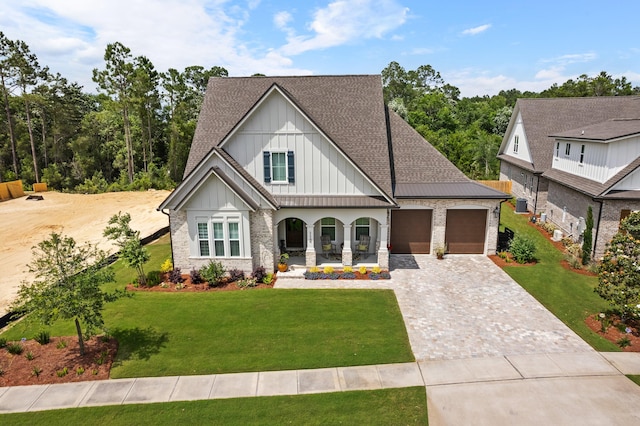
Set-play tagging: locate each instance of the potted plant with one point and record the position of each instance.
(282, 263)
(440, 251)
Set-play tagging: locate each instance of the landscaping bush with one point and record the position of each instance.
(247, 282)
(236, 274)
(212, 273)
(43, 337)
(15, 348)
(259, 274)
(196, 278)
(523, 249)
(175, 276)
(166, 266)
(154, 278)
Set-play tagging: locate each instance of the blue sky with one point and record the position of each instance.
(480, 47)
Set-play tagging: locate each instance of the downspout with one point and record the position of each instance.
(595, 240)
(170, 239)
(535, 204)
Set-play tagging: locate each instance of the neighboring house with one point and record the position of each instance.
(566, 154)
(278, 162)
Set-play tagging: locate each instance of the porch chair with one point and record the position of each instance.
(327, 247)
(362, 246)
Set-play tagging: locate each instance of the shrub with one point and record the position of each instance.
(247, 282)
(166, 266)
(236, 274)
(15, 348)
(3, 342)
(268, 279)
(175, 276)
(314, 269)
(548, 226)
(328, 269)
(347, 269)
(61, 344)
(624, 342)
(29, 356)
(79, 371)
(196, 278)
(362, 270)
(259, 274)
(154, 278)
(63, 372)
(376, 270)
(523, 249)
(382, 275)
(347, 275)
(212, 273)
(43, 337)
(36, 371)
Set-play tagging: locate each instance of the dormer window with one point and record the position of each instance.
(567, 149)
(557, 149)
(515, 143)
(582, 154)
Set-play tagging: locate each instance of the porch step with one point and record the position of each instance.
(292, 273)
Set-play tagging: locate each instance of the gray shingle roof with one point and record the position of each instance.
(467, 190)
(348, 109)
(335, 201)
(543, 117)
(605, 131)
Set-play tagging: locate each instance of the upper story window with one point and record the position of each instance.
(557, 149)
(279, 167)
(516, 141)
(582, 154)
(567, 149)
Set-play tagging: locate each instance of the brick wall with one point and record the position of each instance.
(610, 222)
(535, 193)
(576, 204)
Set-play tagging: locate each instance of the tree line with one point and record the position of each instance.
(469, 131)
(135, 133)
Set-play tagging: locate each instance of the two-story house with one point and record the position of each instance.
(566, 154)
(318, 167)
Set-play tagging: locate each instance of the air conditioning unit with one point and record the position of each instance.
(521, 205)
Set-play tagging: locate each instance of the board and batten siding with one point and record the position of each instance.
(601, 160)
(630, 183)
(522, 152)
(320, 168)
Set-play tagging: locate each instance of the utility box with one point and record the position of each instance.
(543, 217)
(521, 205)
(557, 235)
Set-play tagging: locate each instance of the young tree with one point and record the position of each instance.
(131, 250)
(66, 285)
(587, 237)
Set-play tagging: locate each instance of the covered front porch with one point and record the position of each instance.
(332, 237)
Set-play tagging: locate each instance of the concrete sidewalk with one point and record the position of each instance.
(520, 384)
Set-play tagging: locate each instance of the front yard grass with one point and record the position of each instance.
(567, 294)
(162, 334)
(387, 406)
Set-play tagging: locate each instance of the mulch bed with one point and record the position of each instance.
(187, 286)
(613, 334)
(47, 360)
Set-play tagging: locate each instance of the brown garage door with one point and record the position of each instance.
(411, 231)
(465, 231)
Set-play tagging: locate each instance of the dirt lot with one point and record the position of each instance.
(24, 223)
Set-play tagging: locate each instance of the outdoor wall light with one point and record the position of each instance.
(496, 212)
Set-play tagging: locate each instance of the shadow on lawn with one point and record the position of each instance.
(137, 343)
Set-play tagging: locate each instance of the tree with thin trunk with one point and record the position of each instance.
(117, 80)
(132, 252)
(6, 73)
(67, 280)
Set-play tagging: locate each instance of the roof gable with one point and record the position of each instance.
(543, 117)
(349, 110)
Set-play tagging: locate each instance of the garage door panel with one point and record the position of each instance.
(411, 231)
(466, 231)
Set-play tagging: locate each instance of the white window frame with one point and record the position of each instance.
(220, 243)
(557, 149)
(366, 226)
(516, 142)
(567, 149)
(582, 148)
(328, 226)
(286, 167)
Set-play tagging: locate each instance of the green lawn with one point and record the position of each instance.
(567, 294)
(162, 334)
(384, 407)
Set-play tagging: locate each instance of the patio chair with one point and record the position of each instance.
(327, 247)
(362, 246)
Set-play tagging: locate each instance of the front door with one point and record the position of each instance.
(294, 233)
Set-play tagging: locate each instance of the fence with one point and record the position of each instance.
(500, 185)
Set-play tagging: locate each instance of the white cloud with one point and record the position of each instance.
(476, 30)
(345, 21)
(573, 58)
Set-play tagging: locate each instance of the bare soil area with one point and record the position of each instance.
(57, 362)
(24, 223)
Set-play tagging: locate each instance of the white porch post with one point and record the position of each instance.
(383, 252)
(310, 253)
(347, 255)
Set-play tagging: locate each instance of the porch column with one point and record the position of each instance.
(310, 253)
(383, 252)
(347, 255)
(276, 245)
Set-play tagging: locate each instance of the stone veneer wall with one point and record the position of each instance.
(180, 244)
(610, 222)
(262, 239)
(439, 218)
